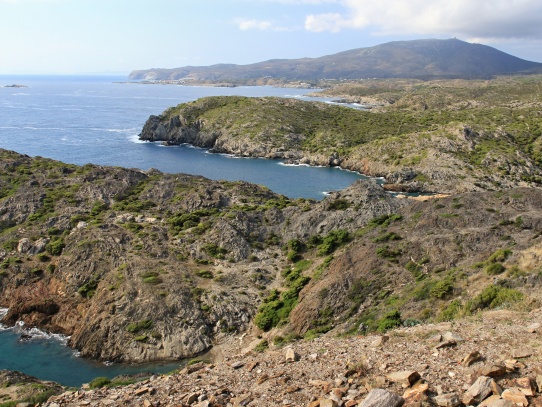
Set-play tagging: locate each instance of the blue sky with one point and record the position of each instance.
(117, 36)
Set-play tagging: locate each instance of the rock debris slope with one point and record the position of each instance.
(490, 360)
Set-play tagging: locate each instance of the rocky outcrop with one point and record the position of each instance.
(22, 390)
(177, 131)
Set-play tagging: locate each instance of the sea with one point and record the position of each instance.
(97, 119)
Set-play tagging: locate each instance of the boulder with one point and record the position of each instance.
(447, 400)
(471, 358)
(381, 398)
(479, 391)
(516, 396)
(406, 378)
(290, 355)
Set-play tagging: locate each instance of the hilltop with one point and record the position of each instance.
(423, 59)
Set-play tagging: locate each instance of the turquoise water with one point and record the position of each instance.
(48, 358)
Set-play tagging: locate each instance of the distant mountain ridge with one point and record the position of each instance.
(423, 59)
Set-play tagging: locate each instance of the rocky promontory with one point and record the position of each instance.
(448, 151)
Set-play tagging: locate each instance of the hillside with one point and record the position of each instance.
(422, 59)
(438, 136)
(146, 266)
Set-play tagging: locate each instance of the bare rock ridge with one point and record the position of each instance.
(141, 266)
(430, 58)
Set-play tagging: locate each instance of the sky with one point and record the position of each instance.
(118, 36)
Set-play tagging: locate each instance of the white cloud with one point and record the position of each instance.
(262, 25)
(244, 24)
(465, 18)
(332, 22)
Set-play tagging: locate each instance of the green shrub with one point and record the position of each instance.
(151, 277)
(41, 397)
(214, 250)
(205, 273)
(387, 253)
(262, 346)
(99, 382)
(332, 241)
(383, 220)
(339, 205)
(54, 231)
(294, 248)
(387, 237)
(391, 320)
(43, 257)
(55, 247)
(499, 256)
(493, 296)
(135, 327)
(452, 311)
(442, 288)
(97, 208)
(88, 289)
(494, 269)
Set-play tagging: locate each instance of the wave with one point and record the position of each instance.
(134, 138)
(36, 333)
(31, 333)
(3, 313)
(300, 165)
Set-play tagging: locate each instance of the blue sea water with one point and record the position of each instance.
(96, 120)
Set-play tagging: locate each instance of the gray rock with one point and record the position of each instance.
(381, 398)
(480, 390)
(24, 245)
(452, 336)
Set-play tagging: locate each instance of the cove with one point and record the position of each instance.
(48, 358)
(294, 181)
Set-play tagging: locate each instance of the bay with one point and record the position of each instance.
(47, 357)
(96, 120)
(83, 119)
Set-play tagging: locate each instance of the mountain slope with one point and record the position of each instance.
(428, 58)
